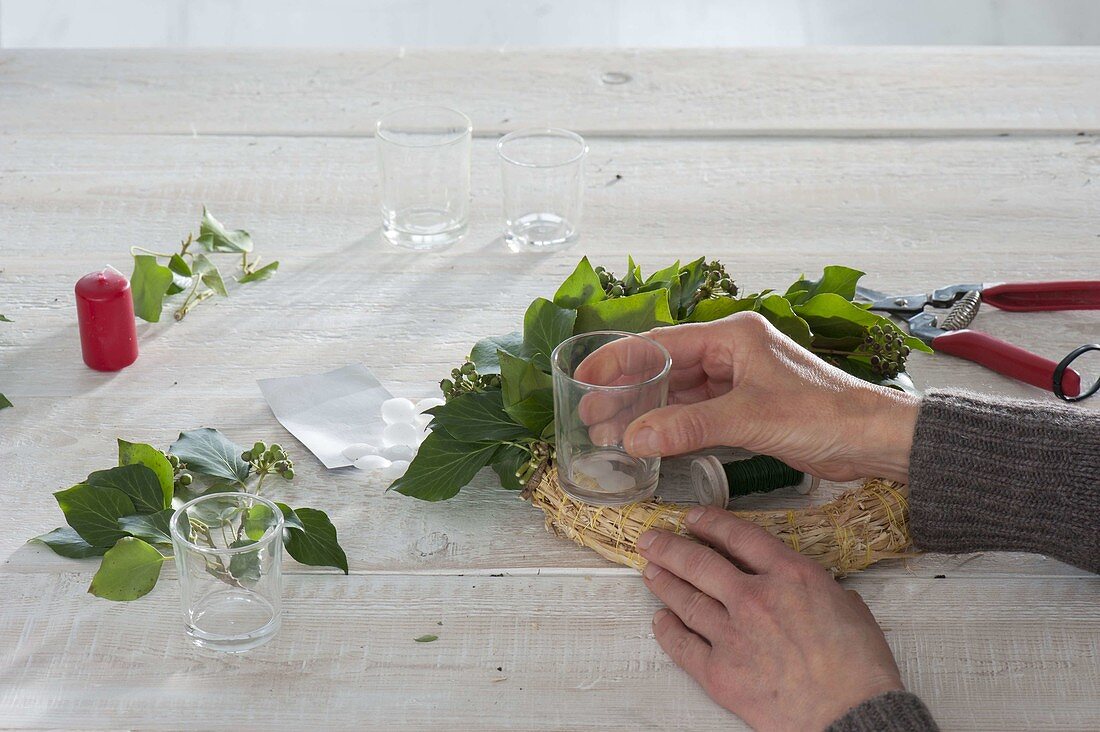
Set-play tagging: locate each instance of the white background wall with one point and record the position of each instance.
(519, 23)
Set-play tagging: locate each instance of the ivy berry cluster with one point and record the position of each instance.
(265, 460)
(466, 380)
(887, 349)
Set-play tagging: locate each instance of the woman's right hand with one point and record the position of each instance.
(740, 382)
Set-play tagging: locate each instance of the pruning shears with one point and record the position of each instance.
(949, 332)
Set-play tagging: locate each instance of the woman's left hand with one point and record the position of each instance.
(765, 631)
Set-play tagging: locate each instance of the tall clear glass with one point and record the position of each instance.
(229, 553)
(424, 163)
(543, 182)
(603, 381)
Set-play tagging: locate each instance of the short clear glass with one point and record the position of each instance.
(603, 381)
(543, 184)
(229, 553)
(424, 163)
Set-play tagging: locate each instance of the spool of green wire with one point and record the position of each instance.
(759, 474)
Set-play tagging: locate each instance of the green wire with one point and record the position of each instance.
(759, 474)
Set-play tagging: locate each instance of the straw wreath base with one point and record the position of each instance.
(850, 533)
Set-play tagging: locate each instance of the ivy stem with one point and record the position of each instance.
(192, 300)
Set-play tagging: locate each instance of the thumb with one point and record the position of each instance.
(675, 430)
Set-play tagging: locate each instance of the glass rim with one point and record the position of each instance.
(613, 387)
(267, 538)
(545, 132)
(457, 136)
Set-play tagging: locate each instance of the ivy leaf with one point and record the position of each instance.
(4, 402)
(442, 466)
(777, 309)
(720, 307)
(5, 319)
(211, 453)
(316, 543)
(534, 412)
(209, 274)
(477, 416)
(633, 276)
(290, 517)
(545, 325)
(835, 279)
(831, 316)
(506, 462)
(580, 288)
(214, 237)
(150, 527)
(138, 453)
(262, 273)
(181, 274)
(634, 314)
(519, 378)
(130, 570)
(258, 518)
(484, 353)
(138, 482)
(692, 275)
(426, 639)
(148, 285)
(66, 542)
(94, 511)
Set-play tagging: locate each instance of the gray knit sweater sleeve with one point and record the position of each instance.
(998, 475)
(1006, 475)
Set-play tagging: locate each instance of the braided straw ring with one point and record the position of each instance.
(850, 533)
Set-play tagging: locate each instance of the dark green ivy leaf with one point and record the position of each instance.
(181, 274)
(835, 279)
(426, 638)
(442, 466)
(94, 511)
(139, 453)
(519, 378)
(211, 453)
(475, 417)
(778, 311)
(150, 527)
(66, 542)
(545, 325)
(506, 462)
(484, 353)
(535, 411)
(138, 482)
(4, 403)
(148, 285)
(316, 543)
(5, 319)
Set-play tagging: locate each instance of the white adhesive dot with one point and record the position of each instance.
(423, 420)
(399, 452)
(401, 433)
(616, 482)
(395, 469)
(358, 450)
(398, 410)
(425, 404)
(372, 462)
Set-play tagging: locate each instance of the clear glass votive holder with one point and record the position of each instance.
(543, 184)
(603, 381)
(424, 164)
(229, 553)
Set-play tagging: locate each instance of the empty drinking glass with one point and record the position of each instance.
(229, 553)
(543, 181)
(424, 163)
(603, 381)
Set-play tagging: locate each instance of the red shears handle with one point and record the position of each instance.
(1006, 359)
(1030, 296)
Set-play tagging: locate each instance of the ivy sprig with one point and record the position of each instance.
(190, 271)
(500, 410)
(123, 513)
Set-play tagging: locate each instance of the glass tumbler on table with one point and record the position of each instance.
(543, 182)
(424, 164)
(603, 381)
(229, 553)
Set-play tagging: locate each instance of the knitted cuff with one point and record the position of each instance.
(893, 711)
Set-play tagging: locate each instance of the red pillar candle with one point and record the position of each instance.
(105, 309)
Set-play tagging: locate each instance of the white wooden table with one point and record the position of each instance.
(922, 167)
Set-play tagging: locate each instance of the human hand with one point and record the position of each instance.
(770, 635)
(740, 382)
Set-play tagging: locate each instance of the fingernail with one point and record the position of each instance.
(660, 615)
(694, 514)
(645, 442)
(646, 539)
(651, 570)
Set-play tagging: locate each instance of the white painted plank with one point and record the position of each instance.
(748, 91)
(573, 653)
